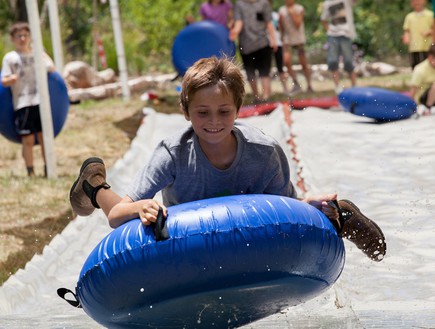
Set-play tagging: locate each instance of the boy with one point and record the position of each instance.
(423, 81)
(417, 31)
(253, 27)
(213, 157)
(291, 17)
(18, 72)
(337, 19)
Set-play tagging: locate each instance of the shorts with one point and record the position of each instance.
(416, 58)
(299, 49)
(28, 120)
(340, 46)
(259, 60)
(278, 60)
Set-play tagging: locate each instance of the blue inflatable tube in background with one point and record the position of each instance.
(377, 103)
(200, 40)
(59, 102)
(228, 261)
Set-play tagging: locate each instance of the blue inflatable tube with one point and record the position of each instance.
(200, 40)
(377, 103)
(228, 261)
(59, 102)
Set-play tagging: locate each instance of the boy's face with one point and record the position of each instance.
(418, 5)
(21, 40)
(212, 114)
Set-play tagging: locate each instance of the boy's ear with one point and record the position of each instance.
(186, 115)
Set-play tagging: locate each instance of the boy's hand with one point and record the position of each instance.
(149, 209)
(321, 202)
(10, 80)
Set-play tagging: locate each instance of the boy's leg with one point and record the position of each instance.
(288, 64)
(27, 143)
(248, 65)
(305, 68)
(41, 142)
(91, 181)
(263, 63)
(332, 61)
(347, 52)
(280, 67)
(266, 86)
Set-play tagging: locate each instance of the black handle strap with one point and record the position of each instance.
(61, 292)
(338, 224)
(353, 107)
(159, 227)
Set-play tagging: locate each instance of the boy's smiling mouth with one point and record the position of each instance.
(213, 130)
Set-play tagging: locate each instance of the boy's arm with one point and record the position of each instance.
(127, 209)
(271, 30)
(230, 19)
(8, 75)
(405, 37)
(235, 31)
(413, 91)
(297, 17)
(9, 80)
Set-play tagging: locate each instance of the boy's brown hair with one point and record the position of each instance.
(213, 71)
(19, 26)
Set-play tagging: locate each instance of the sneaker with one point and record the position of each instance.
(295, 90)
(362, 231)
(83, 192)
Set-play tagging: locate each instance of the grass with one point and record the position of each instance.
(34, 210)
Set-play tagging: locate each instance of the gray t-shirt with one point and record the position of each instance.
(255, 14)
(180, 169)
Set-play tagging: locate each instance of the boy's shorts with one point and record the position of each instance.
(259, 60)
(28, 120)
(299, 49)
(340, 46)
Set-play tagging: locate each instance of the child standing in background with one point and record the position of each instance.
(417, 31)
(253, 27)
(337, 19)
(291, 17)
(18, 72)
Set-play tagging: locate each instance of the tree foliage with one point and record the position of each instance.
(149, 29)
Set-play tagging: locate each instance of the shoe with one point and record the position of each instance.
(310, 89)
(362, 231)
(295, 90)
(83, 192)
